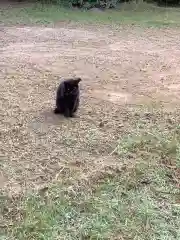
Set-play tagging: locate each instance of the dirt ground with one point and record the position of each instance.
(123, 70)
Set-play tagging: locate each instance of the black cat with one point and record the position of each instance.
(67, 98)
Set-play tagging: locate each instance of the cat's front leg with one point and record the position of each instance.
(71, 114)
(67, 113)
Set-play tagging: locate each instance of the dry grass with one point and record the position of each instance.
(137, 200)
(113, 171)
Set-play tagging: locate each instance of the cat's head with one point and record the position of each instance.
(71, 85)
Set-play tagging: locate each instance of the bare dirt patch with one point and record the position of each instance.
(119, 69)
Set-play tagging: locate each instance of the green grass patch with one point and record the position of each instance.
(140, 201)
(139, 14)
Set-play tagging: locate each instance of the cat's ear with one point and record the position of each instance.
(77, 80)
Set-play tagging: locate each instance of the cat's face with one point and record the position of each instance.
(71, 86)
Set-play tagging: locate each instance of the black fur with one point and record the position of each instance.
(67, 98)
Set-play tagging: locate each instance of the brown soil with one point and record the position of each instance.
(121, 69)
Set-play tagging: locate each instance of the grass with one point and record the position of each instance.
(129, 13)
(138, 201)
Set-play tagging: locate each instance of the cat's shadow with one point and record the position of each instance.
(43, 122)
(50, 118)
(55, 119)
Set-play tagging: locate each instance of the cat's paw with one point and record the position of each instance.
(56, 111)
(67, 114)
